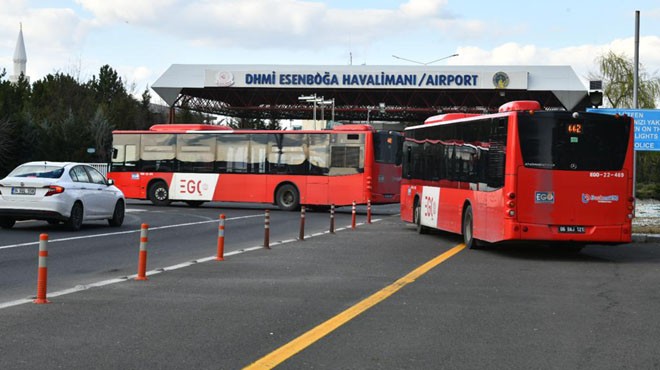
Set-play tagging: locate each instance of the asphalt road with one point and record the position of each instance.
(177, 233)
(504, 308)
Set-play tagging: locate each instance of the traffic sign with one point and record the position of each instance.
(647, 126)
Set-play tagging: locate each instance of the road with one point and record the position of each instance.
(177, 233)
(515, 307)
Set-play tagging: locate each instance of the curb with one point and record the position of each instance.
(646, 238)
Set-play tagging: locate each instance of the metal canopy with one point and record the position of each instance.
(409, 93)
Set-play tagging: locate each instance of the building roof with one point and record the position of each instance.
(409, 93)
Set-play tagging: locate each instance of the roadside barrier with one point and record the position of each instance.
(42, 276)
(302, 223)
(267, 230)
(221, 239)
(332, 218)
(353, 216)
(368, 211)
(142, 258)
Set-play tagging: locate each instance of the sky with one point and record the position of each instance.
(140, 39)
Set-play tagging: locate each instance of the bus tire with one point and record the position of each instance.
(7, 222)
(287, 197)
(159, 194)
(417, 217)
(468, 229)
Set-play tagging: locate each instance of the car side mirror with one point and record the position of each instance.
(111, 182)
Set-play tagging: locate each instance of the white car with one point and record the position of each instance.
(56, 192)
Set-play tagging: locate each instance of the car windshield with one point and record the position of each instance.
(43, 171)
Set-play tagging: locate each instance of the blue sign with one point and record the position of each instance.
(647, 126)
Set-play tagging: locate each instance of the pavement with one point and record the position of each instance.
(208, 314)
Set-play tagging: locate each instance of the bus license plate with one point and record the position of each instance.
(572, 229)
(23, 191)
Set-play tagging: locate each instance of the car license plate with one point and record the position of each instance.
(23, 191)
(572, 229)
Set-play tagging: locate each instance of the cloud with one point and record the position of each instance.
(582, 58)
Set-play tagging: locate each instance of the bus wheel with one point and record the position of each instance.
(195, 203)
(158, 194)
(287, 197)
(417, 217)
(7, 222)
(468, 230)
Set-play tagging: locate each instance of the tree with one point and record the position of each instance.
(617, 73)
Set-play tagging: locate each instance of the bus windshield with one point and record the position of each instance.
(387, 147)
(557, 141)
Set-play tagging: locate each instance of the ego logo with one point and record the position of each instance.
(191, 186)
(430, 207)
(544, 197)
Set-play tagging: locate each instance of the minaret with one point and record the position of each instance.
(20, 58)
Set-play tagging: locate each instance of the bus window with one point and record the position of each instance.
(319, 146)
(387, 147)
(158, 152)
(196, 152)
(124, 149)
(287, 154)
(550, 141)
(258, 153)
(232, 153)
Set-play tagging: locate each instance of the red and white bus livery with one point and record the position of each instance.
(201, 163)
(521, 174)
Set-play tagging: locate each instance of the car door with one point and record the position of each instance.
(103, 196)
(84, 190)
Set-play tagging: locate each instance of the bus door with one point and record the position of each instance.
(123, 168)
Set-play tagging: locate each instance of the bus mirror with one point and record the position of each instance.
(114, 153)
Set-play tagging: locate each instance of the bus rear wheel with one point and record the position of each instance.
(417, 217)
(468, 230)
(159, 194)
(287, 197)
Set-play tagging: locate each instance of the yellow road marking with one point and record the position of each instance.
(288, 350)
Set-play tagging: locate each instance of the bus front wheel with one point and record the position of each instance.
(287, 197)
(468, 229)
(159, 194)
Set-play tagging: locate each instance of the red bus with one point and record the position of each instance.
(199, 163)
(521, 174)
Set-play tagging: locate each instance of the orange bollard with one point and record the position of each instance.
(368, 211)
(267, 230)
(302, 223)
(353, 217)
(221, 239)
(142, 260)
(332, 218)
(42, 277)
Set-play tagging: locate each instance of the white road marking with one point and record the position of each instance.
(123, 232)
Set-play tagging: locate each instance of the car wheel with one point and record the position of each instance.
(76, 218)
(287, 197)
(118, 215)
(7, 222)
(159, 194)
(468, 230)
(417, 217)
